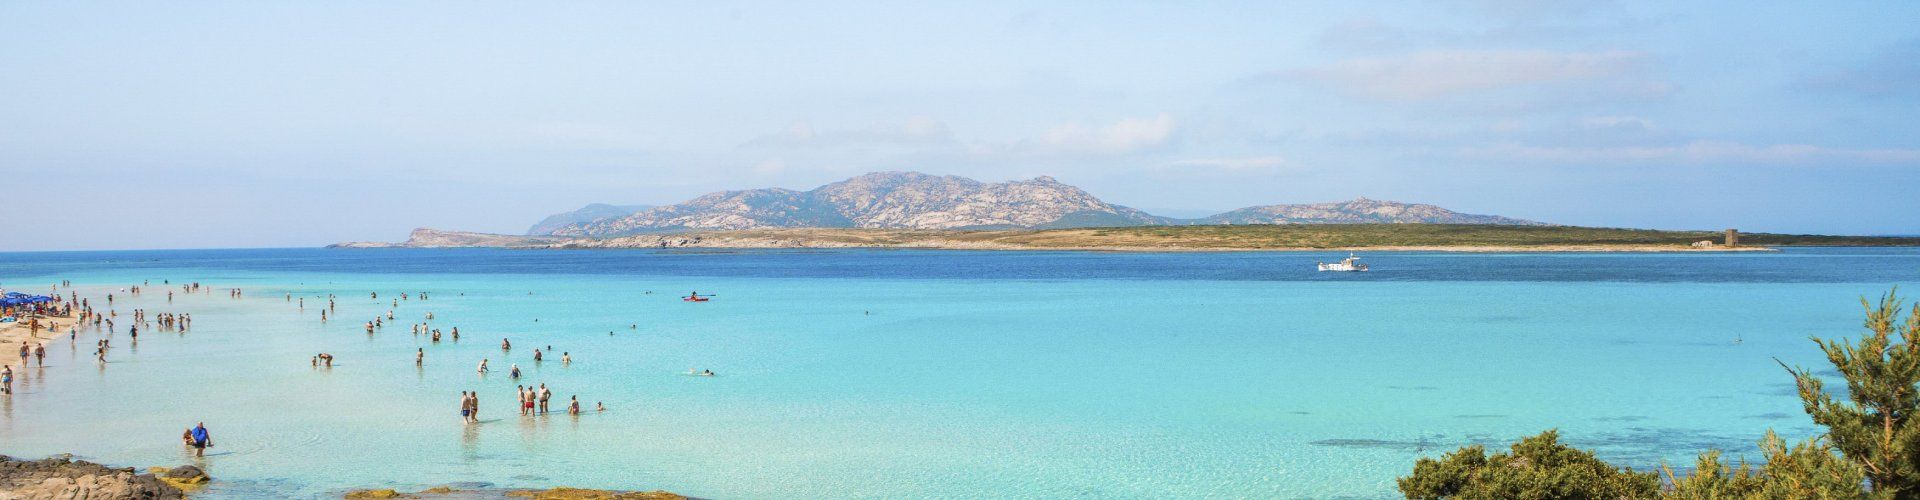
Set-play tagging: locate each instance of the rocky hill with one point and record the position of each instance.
(1356, 211)
(895, 200)
(591, 212)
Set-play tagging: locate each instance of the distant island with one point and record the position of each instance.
(1434, 237)
(913, 200)
(915, 210)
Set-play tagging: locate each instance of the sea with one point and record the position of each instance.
(927, 373)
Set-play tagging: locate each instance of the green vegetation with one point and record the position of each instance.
(1871, 448)
(1537, 467)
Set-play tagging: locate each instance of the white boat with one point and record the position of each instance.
(1345, 265)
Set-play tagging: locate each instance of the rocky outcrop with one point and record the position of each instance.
(894, 200)
(1357, 211)
(591, 212)
(63, 478)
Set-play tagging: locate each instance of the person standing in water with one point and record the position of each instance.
(201, 439)
(544, 395)
(419, 356)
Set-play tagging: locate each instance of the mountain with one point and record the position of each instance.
(591, 212)
(899, 200)
(1357, 211)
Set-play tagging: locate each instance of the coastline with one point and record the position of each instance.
(1380, 238)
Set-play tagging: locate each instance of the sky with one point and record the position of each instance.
(273, 124)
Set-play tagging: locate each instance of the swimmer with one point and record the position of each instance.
(514, 373)
(566, 359)
(419, 356)
(483, 366)
(598, 406)
(573, 407)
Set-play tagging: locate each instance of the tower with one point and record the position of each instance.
(1733, 237)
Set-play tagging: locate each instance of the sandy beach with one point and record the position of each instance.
(12, 334)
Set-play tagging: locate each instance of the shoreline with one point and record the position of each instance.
(12, 334)
(1084, 240)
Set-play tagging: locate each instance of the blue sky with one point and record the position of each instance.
(287, 124)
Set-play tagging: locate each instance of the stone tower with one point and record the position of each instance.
(1733, 237)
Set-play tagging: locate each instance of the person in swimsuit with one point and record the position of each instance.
(419, 356)
(544, 394)
(573, 406)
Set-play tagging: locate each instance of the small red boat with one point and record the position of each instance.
(694, 299)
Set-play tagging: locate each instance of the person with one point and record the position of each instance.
(6, 379)
(419, 356)
(599, 406)
(505, 345)
(326, 359)
(573, 407)
(515, 372)
(201, 440)
(483, 366)
(536, 355)
(186, 437)
(544, 394)
(566, 359)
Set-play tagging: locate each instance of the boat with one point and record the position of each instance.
(694, 298)
(1345, 265)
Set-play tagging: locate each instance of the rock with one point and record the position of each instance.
(62, 477)
(188, 474)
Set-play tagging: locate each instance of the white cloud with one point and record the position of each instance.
(1232, 164)
(917, 130)
(1435, 74)
(1125, 136)
(1696, 151)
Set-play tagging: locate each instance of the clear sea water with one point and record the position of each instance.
(939, 374)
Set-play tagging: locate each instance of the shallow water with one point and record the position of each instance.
(934, 373)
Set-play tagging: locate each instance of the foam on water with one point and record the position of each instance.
(934, 374)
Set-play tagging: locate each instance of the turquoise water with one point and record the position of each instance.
(931, 373)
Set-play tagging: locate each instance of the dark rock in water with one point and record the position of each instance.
(188, 474)
(66, 478)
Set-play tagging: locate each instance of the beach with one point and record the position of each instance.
(12, 334)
